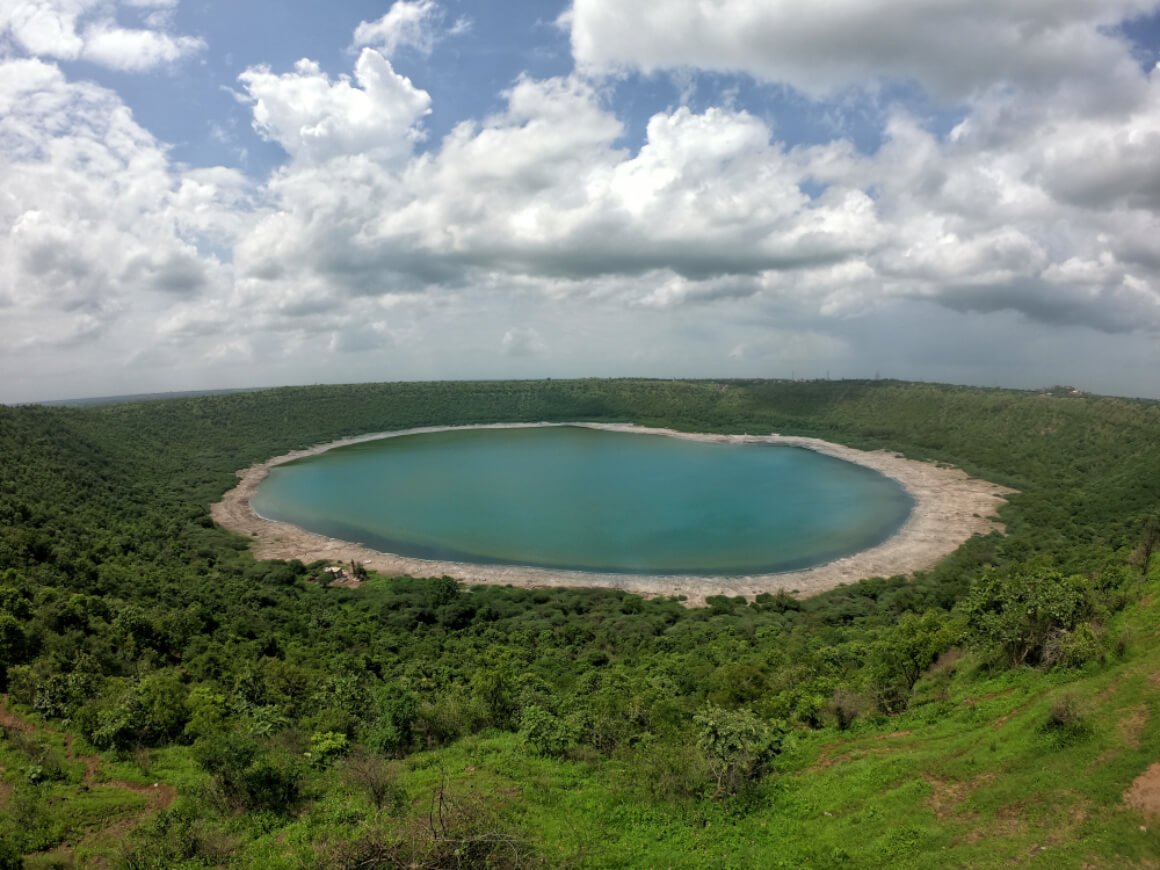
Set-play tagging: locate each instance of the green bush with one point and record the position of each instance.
(326, 747)
(1075, 647)
(250, 777)
(1065, 723)
(392, 731)
(738, 747)
(546, 733)
(1015, 614)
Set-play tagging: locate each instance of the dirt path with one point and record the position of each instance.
(10, 720)
(949, 507)
(158, 796)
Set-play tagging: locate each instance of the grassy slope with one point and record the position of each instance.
(94, 801)
(972, 779)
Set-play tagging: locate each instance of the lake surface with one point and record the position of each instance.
(584, 499)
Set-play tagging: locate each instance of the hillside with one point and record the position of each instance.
(996, 709)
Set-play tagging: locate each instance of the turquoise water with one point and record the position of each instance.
(569, 497)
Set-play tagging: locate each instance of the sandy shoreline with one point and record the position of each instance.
(949, 507)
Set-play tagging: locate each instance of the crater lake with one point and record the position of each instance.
(570, 497)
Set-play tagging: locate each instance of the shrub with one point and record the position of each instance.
(1074, 648)
(846, 706)
(376, 778)
(492, 689)
(326, 746)
(454, 832)
(172, 837)
(738, 747)
(1065, 723)
(446, 719)
(393, 732)
(674, 772)
(248, 777)
(903, 652)
(1015, 614)
(45, 762)
(10, 858)
(546, 733)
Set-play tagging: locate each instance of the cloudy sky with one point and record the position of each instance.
(201, 193)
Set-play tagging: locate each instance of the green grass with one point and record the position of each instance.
(972, 780)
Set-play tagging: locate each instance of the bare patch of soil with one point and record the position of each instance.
(894, 735)
(1103, 760)
(1014, 711)
(1107, 693)
(1132, 727)
(827, 761)
(1008, 822)
(1144, 793)
(988, 696)
(947, 797)
(8, 719)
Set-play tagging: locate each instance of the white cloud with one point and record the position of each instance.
(523, 341)
(417, 24)
(779, 350)
(541, 240)
(315, 119)
(541, 192)
(46, 27)
(135, 50)
(954, 48)
(89, 30)
(94, 235)
(360, 337)
(712, 209)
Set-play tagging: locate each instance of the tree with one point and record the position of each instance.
(249, 777)
(904, 652)
(738, 746)
(326, 746)
(1016, 613)
(1149, 543)
(13, 645)
(143, 713)
(492, 688)
(545, 732)
(393, 732)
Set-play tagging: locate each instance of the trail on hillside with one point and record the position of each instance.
(158, 795)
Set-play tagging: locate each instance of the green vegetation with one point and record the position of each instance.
(994, 709)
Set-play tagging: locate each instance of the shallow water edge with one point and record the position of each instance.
(949, 508)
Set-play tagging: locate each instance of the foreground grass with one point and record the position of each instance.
(968, 777)
(971, 778)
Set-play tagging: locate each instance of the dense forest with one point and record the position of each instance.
(171, 702)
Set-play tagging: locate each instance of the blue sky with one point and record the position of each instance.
(202, 194)
(465, 75)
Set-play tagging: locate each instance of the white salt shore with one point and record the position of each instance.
(949, 508)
